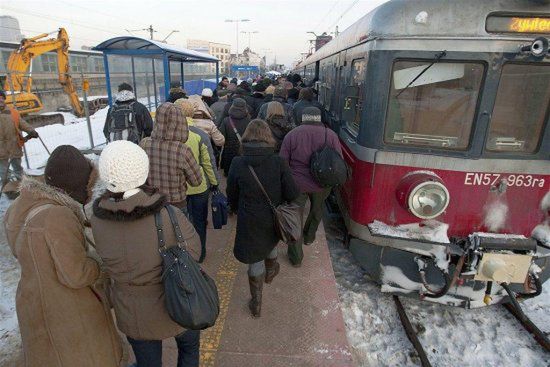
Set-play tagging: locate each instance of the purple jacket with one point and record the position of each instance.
(297, 148)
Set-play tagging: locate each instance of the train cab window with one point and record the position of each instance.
(433, 105)
(520, 109)
(353, 100)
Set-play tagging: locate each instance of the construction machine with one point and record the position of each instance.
(19, 77)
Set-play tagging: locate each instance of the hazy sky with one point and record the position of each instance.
(282, 25)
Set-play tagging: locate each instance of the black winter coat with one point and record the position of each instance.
(256, 236)
(232, 145)
(144, 122)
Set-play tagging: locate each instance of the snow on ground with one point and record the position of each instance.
(451, 336)
(74, 132)
(9, 277)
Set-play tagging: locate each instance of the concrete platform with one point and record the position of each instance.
(301, 323)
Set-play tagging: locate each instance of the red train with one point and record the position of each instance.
(443, 111)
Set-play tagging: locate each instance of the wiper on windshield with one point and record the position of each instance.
(437, 57)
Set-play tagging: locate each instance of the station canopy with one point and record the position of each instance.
(137, 46)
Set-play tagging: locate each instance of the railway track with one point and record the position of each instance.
(513, 307)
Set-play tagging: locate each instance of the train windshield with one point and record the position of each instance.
(435, 110)
(520, 109)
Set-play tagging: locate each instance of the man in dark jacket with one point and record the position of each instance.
(258, 96)
(279, 95)
(306, 99)
(139, 113)
(297, 148)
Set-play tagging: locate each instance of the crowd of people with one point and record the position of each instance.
(260, 133)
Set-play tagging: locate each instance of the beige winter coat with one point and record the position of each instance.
(203, 120)
(126, 240)
(9, 147)
(64, 321)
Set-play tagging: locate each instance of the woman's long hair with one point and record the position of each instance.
(258, 131)
(274, 109)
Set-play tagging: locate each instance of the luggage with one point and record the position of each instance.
(219, 209)
(191, 296)
(327, 167)
(287, 216)
(123, 123)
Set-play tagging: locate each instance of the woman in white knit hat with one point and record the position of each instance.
(125, 235)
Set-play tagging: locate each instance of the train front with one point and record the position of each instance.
(450, 196)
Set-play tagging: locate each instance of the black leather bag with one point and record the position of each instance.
(191, 296)
(287, 216)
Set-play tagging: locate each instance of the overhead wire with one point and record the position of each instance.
(342, 15)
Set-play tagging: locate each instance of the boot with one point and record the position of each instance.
(272, 268)
(256, 285)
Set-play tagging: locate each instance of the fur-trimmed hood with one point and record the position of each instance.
(133, 208)
(40, 190)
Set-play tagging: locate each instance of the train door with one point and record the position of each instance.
(340, 82)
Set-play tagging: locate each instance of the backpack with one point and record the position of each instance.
(123, 123)
(327, 166)
(190, 295)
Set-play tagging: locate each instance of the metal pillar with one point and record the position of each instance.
(181, 76)
(217, 72)
(134, 77)
(148, 90)
(155, 83)
(107, 78)
(167, 78)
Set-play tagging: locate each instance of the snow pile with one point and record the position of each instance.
(542, 233)
(487, 336)
(74, 132)
(429, 230)
(496, 214)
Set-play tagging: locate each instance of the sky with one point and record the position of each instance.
(282, 25)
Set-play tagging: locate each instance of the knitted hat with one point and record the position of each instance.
(311, 114)
(123, 166)
(207, 92)
(260, 87)
(125, 86)
(239, 104)
(68, 170)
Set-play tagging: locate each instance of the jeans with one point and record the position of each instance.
(257, 269)
(5, 165)
(316, 199)
(197, 206)
(149, 352)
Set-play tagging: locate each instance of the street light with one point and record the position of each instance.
(237, 21)
(250, 33)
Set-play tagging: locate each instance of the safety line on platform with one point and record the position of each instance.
(225, 278)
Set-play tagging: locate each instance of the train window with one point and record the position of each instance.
(353, 100)
(433, 105)
(520, 109)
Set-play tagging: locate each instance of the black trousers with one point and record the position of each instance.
(149, 352)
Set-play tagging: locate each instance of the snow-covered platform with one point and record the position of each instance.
(301, 323)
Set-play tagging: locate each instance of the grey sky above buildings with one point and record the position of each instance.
(282, 25)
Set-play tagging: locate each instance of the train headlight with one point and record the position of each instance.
(423, 194)
(428, 200)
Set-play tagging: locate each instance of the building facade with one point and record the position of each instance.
(220, 50)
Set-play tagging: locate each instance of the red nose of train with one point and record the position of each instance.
(423, 194)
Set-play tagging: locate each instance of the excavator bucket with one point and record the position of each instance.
(27, 103)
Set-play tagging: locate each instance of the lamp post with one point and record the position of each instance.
(250, 33)
(237, 21)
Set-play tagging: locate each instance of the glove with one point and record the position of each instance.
(214, 188)
(33, 134)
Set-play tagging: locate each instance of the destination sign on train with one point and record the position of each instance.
(518, 24)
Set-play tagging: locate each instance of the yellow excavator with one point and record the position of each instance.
(19, 81)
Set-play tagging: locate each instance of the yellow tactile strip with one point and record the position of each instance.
(225, 277)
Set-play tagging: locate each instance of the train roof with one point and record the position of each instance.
(428, 18)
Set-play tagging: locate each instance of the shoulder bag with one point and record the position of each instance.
(190, 295)
(287, 216)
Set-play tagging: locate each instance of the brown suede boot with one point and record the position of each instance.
(256, 286)
(272, 268)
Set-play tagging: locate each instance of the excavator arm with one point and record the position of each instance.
(20, 60)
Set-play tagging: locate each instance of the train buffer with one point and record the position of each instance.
(301, 323)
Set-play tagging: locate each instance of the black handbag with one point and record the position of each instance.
(190, 295)
(287, 216)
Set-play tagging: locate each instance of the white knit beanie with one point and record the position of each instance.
(123, 166)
